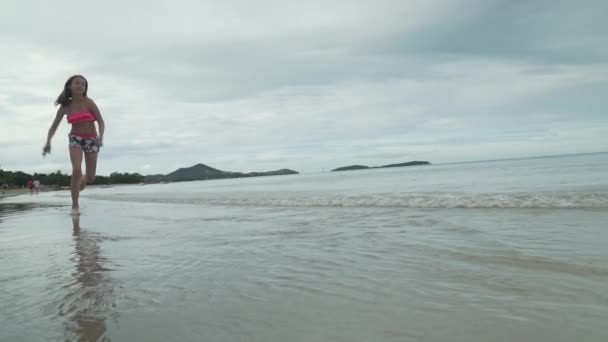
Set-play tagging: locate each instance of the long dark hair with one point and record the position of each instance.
(66, 95)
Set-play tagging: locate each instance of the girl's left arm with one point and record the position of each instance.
(100, 122)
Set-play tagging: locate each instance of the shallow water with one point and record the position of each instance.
(494, 251)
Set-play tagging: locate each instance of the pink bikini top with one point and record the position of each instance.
(78, 117)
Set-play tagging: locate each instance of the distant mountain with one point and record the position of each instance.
(352, 167)
(196, 172)
(363, 167)
(202, 172)
(412, 163)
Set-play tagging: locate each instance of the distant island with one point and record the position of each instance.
(59, 180)
(203, 172)
(363, 167)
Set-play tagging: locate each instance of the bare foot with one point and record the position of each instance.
(83, 182)
(75, 211)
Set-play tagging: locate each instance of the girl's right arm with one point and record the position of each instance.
(54, 125)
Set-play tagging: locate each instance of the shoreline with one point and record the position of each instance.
(13, 192)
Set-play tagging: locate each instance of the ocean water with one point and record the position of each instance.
(512, 250)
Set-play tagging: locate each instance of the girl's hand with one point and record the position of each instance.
(99, 142)
(47, 149)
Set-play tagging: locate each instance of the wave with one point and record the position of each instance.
(532, 200)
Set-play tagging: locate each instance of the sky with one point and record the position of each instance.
(244, 85)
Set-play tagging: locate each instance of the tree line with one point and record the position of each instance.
(17, 179)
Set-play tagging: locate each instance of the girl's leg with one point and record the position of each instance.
(90, 160)
(76, 158)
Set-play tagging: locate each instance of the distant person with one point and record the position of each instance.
(36, 186)
(81, 112)
(30, 185)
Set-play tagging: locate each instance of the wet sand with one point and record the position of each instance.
(134, 271)
(54, 288)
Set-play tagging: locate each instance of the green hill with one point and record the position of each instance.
(352, 167)
(203, 172)
(363, 167)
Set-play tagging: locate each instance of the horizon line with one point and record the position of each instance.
(450, 163)
(520, 158)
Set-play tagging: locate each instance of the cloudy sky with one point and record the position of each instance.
(246, 85)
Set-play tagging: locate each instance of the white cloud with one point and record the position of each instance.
(253, 86)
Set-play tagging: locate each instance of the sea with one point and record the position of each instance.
(505, 250)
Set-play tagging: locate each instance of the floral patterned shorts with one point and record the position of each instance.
(88, 145)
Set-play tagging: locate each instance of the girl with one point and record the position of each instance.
(81, 112)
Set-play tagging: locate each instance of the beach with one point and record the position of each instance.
(14, 192)
(511, 250)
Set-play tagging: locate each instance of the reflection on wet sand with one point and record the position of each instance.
(8, 209)
(89, 300)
